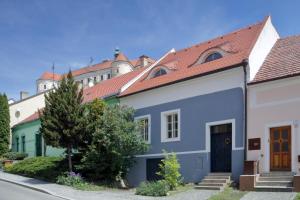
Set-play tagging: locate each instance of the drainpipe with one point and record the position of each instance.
(245, 66)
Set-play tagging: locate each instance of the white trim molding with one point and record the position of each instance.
(163, 125)
(268, 126)
(177, 153)
(208, 136)
(149, 125)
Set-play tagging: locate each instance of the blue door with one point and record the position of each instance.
(221, 148)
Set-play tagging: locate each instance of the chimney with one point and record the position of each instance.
(117, 51)
(144, 60)
(24, 95)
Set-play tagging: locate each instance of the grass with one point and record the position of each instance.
(89, 187)
(297, 197)
(181, 188)
(228, 194)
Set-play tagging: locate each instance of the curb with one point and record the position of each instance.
(35, 188)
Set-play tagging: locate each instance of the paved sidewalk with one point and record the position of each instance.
(69, 193)
(269, 196)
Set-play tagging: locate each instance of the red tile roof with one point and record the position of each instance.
(121, 57)
(49, 76)
(96, 67)
(109, 87)
(237, 44)
(283, 61)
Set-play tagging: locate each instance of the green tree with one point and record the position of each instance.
(115, 142)
(4, 124)
(169, 170)
(93, 112)
(63, 117)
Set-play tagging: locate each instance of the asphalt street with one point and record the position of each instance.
(9, 191)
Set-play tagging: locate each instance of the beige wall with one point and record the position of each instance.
(273, 104)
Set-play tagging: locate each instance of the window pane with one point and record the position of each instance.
(285, 147)
(169, 118)
(175, 133)
(276, 134)
(169, 134)
(285, 134)
(276, 147)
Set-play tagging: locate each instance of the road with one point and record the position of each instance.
(9, 191)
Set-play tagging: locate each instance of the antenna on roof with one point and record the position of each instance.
(91, 60)
(53, 66)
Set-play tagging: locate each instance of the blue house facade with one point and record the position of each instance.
(186, 119)
(193, 102)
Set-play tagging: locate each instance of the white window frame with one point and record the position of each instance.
(164, 132)
(149, 125)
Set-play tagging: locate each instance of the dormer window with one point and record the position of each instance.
(159, 72)
(213, 56)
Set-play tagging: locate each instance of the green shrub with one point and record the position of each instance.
(46, 168)
(14, 156)
(156, 189)
(169, 170)
(70, 179)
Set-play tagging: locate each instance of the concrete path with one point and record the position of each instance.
(269, 196)
(10, 191)
(69, 193)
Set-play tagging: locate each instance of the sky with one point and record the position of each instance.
(34, 34)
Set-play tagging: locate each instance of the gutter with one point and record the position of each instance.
(245, 66)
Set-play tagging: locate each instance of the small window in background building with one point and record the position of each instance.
(117, 71)
(17, 144)
(23, 144)
(213, 56)
(101, 77)
(89, 80)
(108, 76)
(45, 87)
(159, 72)
(95, 79)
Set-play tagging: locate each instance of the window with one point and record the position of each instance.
(159, 72)
(213, 56)
(17, 144)
(89, 80)
(101, 77)
(144, 123)
(23, 144)
(108, 76)
(45, 87)
(170, 126)
(95, 79)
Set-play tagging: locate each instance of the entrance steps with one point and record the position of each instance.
(275, 182)
(214, 181)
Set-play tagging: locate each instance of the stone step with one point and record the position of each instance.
(217, 177)
(200, 187)
(219, 174)
(211, 184)
(276, 174)
(276, 178)
(215, 181)
(274, 183)
(273, 189)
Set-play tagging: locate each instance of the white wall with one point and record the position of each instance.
(203, 85)
(262, 47)
(273, 104)
(123, 67)
(48, 83)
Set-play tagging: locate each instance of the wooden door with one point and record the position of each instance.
(280, 148)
